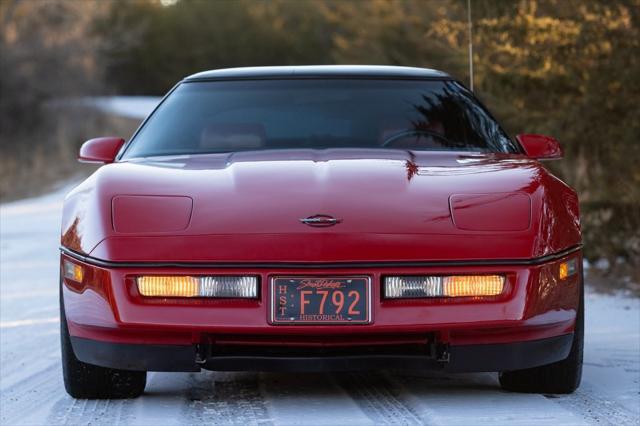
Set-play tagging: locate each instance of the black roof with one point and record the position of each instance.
(319, 71)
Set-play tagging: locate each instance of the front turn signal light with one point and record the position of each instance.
(72, 271)
(402, 287)
(221, 286)
(473, 285)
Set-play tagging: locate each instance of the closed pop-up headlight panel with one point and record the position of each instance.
(141, 214)
(510, 211)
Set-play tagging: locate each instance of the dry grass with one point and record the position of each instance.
(31, 164)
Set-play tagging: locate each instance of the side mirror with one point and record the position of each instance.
(540, 147)
(100, 150)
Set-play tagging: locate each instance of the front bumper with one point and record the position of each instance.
(530, 324)
(461, 358)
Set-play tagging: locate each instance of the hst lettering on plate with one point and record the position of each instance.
(325, 300)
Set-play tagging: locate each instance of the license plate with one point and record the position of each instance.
(326, 300)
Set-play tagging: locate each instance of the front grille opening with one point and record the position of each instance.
(302, 346)
(313, 351)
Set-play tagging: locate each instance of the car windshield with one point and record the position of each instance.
(248, 115)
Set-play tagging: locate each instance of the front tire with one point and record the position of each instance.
(560, 377)
(87, 381)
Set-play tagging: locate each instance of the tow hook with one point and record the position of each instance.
(442, 353)
(202, 353)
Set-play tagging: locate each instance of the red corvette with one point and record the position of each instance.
(321, 219)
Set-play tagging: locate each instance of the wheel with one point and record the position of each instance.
(82, 380)
(560, 377)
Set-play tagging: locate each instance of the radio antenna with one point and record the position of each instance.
(470, 25)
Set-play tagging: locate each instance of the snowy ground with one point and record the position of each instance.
(32, 391)
(136, 107)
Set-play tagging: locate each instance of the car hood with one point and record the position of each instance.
(389, 205)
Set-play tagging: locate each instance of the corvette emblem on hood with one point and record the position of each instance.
(320, 220)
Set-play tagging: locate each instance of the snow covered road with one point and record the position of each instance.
(32, 391)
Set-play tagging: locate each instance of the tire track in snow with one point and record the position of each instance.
(477, 399)
(69, 411)
(31, 394)
(225, 398)
(42, 395)
(379, 398)
(596, 410)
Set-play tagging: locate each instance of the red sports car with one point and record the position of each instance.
(320, 219)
